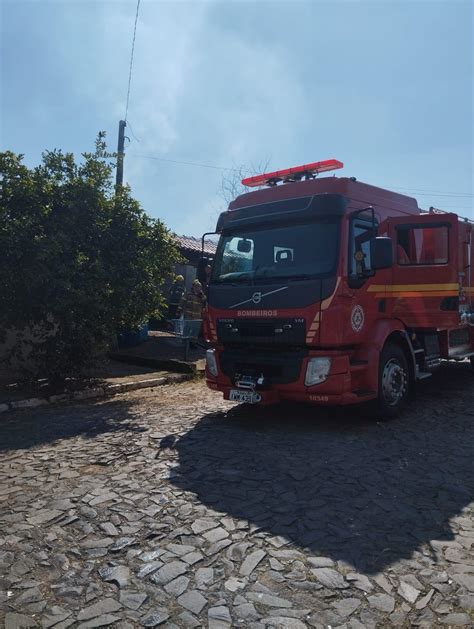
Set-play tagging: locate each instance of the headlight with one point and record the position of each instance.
(211, 362)
(317, 370)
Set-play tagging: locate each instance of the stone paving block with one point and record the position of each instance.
(120, 575)
(18, 621)
(219, 617)
(188, 620)
(43, 516)
(283, 622)
(466, 580)
(101, 621)
(177, 586)
(105, 606)
(408, 592)
(330, 578)
(216, 535)
(54, 616)
(169, 572)
(457, 620)
(269, 600)
(360, 581)
(382, 602)
(204, 577)
(193, 601)
(132, 600)
(346, 606)
(149, 568)
(155, 618)
(251, 562)
(192, 558)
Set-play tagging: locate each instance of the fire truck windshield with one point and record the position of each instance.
(293, 252)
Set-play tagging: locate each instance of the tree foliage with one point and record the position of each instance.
(78, 262)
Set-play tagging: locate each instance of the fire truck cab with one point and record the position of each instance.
(334, 291)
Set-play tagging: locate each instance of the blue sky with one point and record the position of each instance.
(385, 86)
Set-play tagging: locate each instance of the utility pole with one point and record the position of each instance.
(120, 154)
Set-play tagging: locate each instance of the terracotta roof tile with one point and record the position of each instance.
(189, 243)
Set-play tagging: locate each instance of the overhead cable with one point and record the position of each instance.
(131, 60)
(434, 193)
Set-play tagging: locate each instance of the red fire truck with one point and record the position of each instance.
(333, 291)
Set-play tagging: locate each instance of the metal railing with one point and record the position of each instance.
(187, 330)
(435, 210)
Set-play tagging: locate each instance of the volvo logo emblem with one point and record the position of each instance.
(257, 298)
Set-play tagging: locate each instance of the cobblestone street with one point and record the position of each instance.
(173, 508)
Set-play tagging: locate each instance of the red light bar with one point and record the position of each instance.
(292, 174)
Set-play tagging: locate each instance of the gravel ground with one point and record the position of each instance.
(173, 508)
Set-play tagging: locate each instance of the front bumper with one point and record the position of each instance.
(337, 389)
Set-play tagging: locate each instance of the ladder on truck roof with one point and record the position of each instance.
(435, 210)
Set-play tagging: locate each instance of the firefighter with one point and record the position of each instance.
(175, 297)
(193, 301)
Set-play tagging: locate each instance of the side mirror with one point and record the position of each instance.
(244, 246)
(381, 253)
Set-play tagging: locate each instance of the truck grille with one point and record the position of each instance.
(277, 367)
(262, 332)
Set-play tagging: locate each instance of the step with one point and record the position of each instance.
(363, 392)
(422, 375)
(358, 365)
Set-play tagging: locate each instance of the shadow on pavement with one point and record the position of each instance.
(45, 425)
(336, 483)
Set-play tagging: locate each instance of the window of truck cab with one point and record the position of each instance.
(361, 231)
(267, 252)
(422, 245)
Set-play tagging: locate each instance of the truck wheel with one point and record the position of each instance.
(394, 382)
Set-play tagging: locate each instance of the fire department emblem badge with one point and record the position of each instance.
(357, 318)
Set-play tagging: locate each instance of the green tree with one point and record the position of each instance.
(78, 262)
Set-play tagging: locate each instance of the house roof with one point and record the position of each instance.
(189, 243)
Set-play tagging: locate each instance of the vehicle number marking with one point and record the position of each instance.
(250, 397)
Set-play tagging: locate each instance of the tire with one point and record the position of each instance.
(394, 382)
(472, 362)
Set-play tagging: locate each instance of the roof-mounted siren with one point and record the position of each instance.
(289, 175)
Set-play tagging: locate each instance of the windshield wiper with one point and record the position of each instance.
(290, 278)
(234, 280)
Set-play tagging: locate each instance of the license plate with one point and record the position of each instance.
(249, 397)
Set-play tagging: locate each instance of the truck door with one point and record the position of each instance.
(362, 306)
(425, 285)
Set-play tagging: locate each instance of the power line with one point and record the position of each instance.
(131, 60)
(426, 193)
(434, 193)
(175, 161)
(131, 130)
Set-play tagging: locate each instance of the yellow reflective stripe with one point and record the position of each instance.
(423, 294)
(397, 288)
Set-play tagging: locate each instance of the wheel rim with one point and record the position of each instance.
(394, 382)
